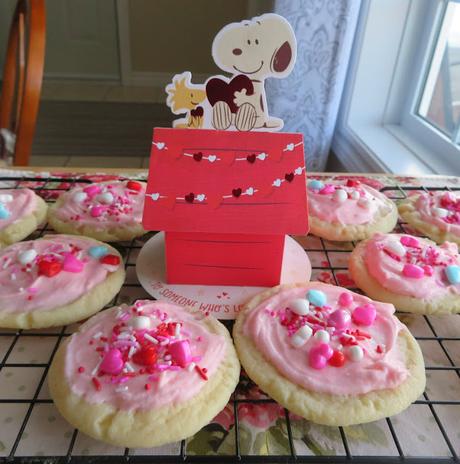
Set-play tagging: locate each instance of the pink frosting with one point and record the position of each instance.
(399, 273)
(105, 204)
(24, 287)
(18, 202)
(358, 208)
(166, 376)
(427, 203)
(272, 326)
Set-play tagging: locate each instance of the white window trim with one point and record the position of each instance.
(372, 133)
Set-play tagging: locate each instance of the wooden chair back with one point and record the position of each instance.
(22, 80)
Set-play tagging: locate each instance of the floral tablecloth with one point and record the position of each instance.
(263, 426)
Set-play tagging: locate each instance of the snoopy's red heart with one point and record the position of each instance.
(219, 90)
(251, 158)
(198, 156)
(190, 197)
(289, 177)
(236, 192)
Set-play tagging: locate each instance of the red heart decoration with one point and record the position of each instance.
(49, 268)
(133, 185)
(289, 177)
(111, 260)
(219, 90)
(198, 156)
(352, 183)
(251, 158)
(237, 192)
(146, 356)
(190, 197)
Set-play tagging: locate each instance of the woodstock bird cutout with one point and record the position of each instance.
(251, 51)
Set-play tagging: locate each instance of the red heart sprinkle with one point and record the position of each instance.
(337, 359)
(198, 156)
(190, 197)
(49, 268)
(289, 177)
(352, 183)
(146, 356)
(112, 260)
(251, 158)
(133, 185)
(236, 192)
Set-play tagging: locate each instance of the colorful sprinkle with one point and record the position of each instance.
(364, 315)
(327, 189)
(453, 274)
(354, 195)
(112, 363)
(133, 185)
(180, 352)
(322, 336)
(355, 353)
(345, 299)
(49, 268)
(316, 298)
(340, 195)
(201, 372)
(92, 190)
(4, 213)
(80, 197)
(146, 356)
(337, 359)
(106, 198)
(315, 185)
(96, 211)
(98, 251)
(112, 260)
(340, 319)
(409, 241)
(395, 248)
(97, 384)
(299, 306)
(301, 336)
(72, 264)
(140, 322)
(413, 271)
(27, 256)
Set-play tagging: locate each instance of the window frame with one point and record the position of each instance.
(378, 128)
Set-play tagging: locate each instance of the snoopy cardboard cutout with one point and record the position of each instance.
(250, 51)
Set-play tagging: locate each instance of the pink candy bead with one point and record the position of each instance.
(345, 299)
(72, 264)
(180, 352)
(339, 319)
(364, 315)
(409, 241)
(328, 188)
(112, 363)
(428, 270)
(96, 211)
(413, 271)
(319, 355)
(92, 190)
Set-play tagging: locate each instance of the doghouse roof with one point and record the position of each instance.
(226, 182)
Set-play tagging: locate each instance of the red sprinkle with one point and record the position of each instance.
(337, 359)
(97, 384)
(147, 386)
(200, 371)
(352, 183)
(49, 268)
(379, 349)
(112, 260)
(133, 185)
(81, 369)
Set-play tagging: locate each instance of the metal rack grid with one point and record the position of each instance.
(47, 188)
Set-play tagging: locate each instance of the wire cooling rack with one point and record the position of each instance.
(31, 429)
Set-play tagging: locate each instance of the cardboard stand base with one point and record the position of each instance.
(223, 302)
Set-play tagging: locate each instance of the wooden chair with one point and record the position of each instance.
(22, 81)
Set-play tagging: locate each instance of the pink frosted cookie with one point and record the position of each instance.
(344, 210)
(144, 375)
(108, 211)
(410, 272)
(435, 214)
(328, 354)
(21, 212)
(56, 280)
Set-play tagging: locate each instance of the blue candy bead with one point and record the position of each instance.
(98, 251)
(4, 213)
(315, 185)
(453, 274)
(316, 298)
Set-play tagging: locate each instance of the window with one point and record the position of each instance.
(401, 107)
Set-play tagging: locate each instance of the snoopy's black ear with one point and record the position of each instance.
(282, 57)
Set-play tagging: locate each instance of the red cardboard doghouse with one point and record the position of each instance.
(226, 201)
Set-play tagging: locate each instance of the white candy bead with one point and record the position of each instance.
(396, 248)
(105, 198)
(364, 203)
(322, 336)
(340, 195)
(356, 353)
(354, 195)
(6, 198)
(80, 197)
(140, 322)
(440, 212)
(299, 306)
(27, 256)
(301, 336)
